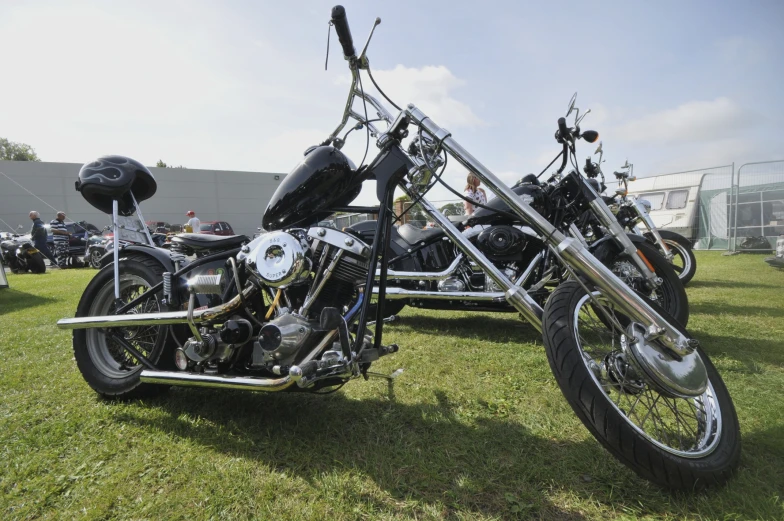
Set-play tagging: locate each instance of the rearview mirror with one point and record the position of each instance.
(599, 148)
(570, 108)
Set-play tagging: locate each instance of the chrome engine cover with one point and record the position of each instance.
(278, 260)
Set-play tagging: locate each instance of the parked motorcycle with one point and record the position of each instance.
(427, 271)
(21, 256)
(290, 310)
(99, 246)
(634, 214)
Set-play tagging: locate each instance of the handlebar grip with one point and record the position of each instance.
(340, 22)
(563, 130)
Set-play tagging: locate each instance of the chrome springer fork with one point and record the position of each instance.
(570, 249)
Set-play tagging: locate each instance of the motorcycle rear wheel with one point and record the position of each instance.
(676, 443)
(36, 263)
(110, 370)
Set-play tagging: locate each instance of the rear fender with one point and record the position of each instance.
(162, 255)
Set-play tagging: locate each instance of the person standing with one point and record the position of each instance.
(60, 235)
(38, 235)
(474, 193)
(193, 222)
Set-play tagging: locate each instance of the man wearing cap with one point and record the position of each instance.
(60, 235)
(38, 234)
(193, 222)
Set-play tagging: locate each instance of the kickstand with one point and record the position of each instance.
(390, 378)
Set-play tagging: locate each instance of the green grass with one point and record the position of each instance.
(475, 428)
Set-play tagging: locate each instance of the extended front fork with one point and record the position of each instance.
(570, 249)
(642, 214)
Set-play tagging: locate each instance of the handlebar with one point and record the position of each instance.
(340, 22)
(563, 130)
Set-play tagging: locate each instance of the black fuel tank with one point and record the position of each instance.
(532, 194)
(325, 178)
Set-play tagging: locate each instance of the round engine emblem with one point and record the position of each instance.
(278, 260)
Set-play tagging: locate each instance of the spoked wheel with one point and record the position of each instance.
(95, 259)
(106, 366)
(683, 261)
(670, 295)
(678, 443)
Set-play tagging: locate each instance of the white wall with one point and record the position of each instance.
(215, 195)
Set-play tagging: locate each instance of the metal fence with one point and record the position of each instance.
(758, 216)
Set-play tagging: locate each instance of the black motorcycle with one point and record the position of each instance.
(634, 215)
(427, 270)
(291, 309)
(21, 256)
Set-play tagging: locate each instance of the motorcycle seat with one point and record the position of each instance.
(198, 241)
(413, 235)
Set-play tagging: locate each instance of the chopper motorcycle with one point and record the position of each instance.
(428, 271)
(21, 256)
(634, 215)
(290, 310)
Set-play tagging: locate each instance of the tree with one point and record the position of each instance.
(11, 151)
(453, 209)
(161, 164)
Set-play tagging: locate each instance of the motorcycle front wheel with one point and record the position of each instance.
(105, 365)
(95, 258)
(683, 260)
(674, 442)
(670, 295)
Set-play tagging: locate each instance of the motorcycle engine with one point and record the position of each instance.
(318, 268)
(501, 242)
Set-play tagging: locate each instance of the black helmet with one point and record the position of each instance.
(115, 177)
(324, 179)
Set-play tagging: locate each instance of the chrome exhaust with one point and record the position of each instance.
(402, 293)
(244, 383)
(423, 275)
(157, 319)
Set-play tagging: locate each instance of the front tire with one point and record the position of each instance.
(104, 364)
(676, 443)
(670, 295)
(683, 262)
(95, 258)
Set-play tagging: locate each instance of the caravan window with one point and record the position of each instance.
(677, 199)
(655, 198)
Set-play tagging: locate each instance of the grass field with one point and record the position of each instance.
(475, 428)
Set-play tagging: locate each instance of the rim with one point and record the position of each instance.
(95, 258)
(107, 355)
(688, 428)
(681, 260)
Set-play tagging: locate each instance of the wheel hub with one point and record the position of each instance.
(684, 377)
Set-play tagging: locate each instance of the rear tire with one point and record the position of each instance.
(694, 444)
(36, 263)
(104, 364)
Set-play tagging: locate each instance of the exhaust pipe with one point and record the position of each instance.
(402, 293)
(243, 383)
(423, 275)
(156, 319)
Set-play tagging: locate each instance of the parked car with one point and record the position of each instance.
(77, 242)
(158, 226)
(216, 228)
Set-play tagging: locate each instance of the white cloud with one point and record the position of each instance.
(695, 121)
(431, 89)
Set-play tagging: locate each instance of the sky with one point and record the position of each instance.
(241, 85)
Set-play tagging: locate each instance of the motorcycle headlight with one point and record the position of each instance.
(646, 204)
